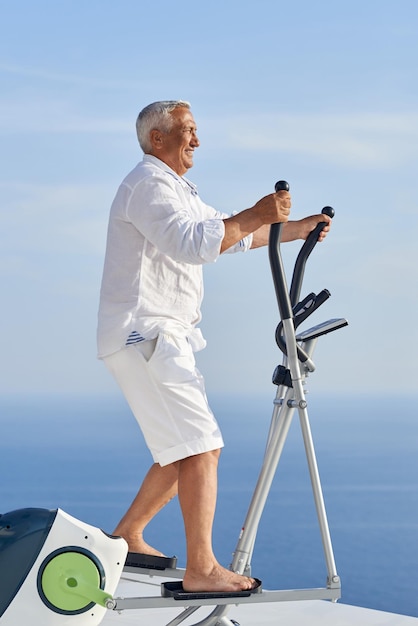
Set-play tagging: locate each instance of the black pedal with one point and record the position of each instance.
(148, 561)
(175, 590)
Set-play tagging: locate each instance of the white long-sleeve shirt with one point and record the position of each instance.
(160, 233)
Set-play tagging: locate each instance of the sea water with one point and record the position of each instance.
(85, 455)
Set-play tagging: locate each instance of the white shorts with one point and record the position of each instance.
(166, 394)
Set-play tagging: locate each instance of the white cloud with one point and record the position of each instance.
(372, 140)
(39, 73)
(44, 114)
(53, 218)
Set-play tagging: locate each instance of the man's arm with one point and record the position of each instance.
(293, 230)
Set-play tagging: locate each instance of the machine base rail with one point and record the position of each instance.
(285, 595)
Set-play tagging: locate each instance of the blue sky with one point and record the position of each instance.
(322, 94)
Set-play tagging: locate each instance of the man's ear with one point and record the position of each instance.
(156, 137)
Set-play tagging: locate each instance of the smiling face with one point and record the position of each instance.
(176, 147)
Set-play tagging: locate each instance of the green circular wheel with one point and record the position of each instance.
(70, 582)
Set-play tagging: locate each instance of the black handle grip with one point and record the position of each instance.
(276, 263)
(281, 185)
(328, 210)
(305, 251)
(313, 236)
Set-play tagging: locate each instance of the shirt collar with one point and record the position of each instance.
(149, 158)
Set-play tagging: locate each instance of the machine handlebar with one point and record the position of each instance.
(287, 300)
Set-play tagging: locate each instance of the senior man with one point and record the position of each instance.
(160, 234)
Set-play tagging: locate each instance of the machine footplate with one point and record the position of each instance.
(147, 561)
(175, 590)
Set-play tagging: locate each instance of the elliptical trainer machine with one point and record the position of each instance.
(289, 377)
(56, 570)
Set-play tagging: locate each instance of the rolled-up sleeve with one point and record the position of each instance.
(177, 222)
(241, 246)
(212, 232)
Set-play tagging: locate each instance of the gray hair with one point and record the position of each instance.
(156, 116)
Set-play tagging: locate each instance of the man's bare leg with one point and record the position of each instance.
(197, 490)
(158, 488)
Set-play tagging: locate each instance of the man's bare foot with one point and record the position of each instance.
(137, 544)
(218, 579)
